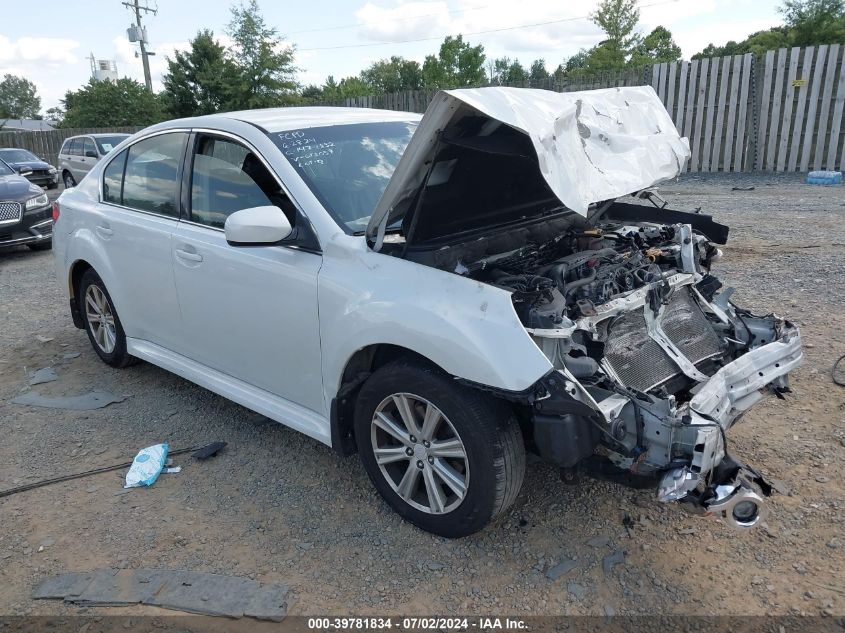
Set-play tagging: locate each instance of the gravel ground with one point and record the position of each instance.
(279, 507)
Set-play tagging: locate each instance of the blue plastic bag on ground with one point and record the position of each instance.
(147, 466)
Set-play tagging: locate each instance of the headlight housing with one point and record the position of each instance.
(52, 170)
(37, 201)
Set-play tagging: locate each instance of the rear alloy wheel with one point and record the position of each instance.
(101, 321)
(69, 181)
(448, 458)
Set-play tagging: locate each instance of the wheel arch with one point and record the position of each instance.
(77, 270)
(357, 369)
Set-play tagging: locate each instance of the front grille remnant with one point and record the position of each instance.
(10, 212)
(639, 362)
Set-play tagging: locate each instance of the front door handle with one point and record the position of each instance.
(193, 257)
(104, 232)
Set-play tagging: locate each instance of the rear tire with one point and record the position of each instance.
(101, 321)
(474, 461)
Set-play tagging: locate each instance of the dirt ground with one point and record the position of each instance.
(278, 507)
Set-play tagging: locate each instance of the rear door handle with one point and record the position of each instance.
(193, 257)
(104, 232)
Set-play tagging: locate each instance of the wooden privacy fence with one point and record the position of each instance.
(782, 111)
(47, 143)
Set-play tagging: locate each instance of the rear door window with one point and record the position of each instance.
(113, 179)
(75, 148)
(151, 177)
(88, 148)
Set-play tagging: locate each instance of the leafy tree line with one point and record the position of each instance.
(806, 23)
(257, 69)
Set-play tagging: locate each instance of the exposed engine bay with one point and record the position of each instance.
(653, 360)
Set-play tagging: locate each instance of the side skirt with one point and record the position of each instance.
(274, 407)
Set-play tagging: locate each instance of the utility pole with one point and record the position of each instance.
(134, 5)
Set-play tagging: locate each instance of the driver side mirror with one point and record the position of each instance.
(90, 154)
(257, 225)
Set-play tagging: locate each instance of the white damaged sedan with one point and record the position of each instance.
(440, 294)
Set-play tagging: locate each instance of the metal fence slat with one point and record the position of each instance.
(768, 69)
(824, 113)
(788, 104)
(708, 121)
(810, 123)
(795, 145)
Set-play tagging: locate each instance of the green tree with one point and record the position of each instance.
(457, 65)
(263, 70)
(352, 87)
(18, 98)
(618, 19)
(538, 73)
(198, 80)
(509, 72)
(656, 48)
(111, 103)
(756, 43)
(393, 75)
(56, 114)
(812, 22)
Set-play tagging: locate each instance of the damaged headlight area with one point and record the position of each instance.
(653, 362)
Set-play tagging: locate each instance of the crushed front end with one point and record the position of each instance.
(653, 363)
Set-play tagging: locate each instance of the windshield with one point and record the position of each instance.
(5, 170)
(17, 156)
(347, 167)
(108, 143)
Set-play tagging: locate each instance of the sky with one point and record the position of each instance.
(52, 46)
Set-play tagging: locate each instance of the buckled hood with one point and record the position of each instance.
(488, 156)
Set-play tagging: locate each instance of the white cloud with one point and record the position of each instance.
(51, 51)
(408, 20)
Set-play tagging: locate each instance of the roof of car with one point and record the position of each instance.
(98, 135)
(281, 119)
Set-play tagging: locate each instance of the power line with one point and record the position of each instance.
(402, 19)
(440, 37)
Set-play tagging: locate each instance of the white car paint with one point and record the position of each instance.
(272, 327)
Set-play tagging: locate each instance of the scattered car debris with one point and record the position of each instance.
(96, 399)
(837, 374)
(617, 557)
(97, 471)
(70, 355)
(189, 591)
(563, 567)
(209, 450)
(45, 374)
(173, 470)
(43, 339)
(742, 188)
(147, 466)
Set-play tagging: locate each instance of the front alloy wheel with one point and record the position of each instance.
(446, 457)
(420, 453)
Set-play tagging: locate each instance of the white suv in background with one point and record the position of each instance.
(438, 294)
(80, 153)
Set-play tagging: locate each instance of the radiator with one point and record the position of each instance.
(639, 362)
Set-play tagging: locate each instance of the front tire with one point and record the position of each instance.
(446, 457)
(101, 321)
